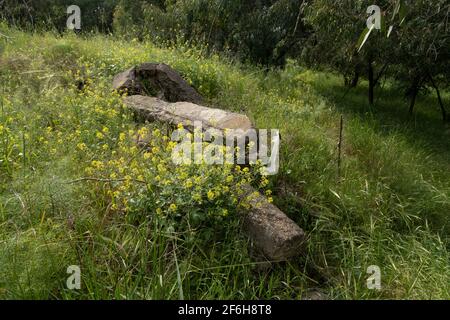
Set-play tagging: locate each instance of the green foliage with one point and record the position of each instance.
(262, 32)
(389, 207)
(339, 27)
(52, 14)
(423, 50)
(412, 45)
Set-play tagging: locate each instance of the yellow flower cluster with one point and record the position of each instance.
(130, 169)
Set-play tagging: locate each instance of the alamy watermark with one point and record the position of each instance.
(374, 20)
(74, 280)
(74, 19)
(230, 146)
(374, 280)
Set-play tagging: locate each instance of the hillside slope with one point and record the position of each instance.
(389, 207)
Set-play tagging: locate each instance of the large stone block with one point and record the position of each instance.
(187, 113)
(273, 233)
(158, 80)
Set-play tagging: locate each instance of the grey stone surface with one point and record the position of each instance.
(158, 80)
(315, 295)
(187, 113)
(126, 82)
(273, 233)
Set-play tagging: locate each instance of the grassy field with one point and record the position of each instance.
(156, 232)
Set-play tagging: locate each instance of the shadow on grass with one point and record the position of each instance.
(389, 114)
(423, 132)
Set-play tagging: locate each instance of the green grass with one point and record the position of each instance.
(390, 206)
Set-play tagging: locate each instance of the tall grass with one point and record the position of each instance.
(389, 207)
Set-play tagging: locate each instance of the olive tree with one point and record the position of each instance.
(340, 37)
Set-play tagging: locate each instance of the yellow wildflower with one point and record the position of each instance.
(188, 183)
(197, 197)
(147, 155)
(156, 132)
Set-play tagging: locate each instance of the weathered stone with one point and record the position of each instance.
(315, 294)
(168, 83)
(158, 80)
(127, 82)
(274, 233)
(186, 113)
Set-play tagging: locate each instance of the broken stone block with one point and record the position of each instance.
(273, 232)
(186, 113)
(127, 82)
(157, 80)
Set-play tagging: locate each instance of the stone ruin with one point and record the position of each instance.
(156, 92)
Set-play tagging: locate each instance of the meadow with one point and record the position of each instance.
(76, 190)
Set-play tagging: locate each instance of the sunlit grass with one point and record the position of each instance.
(390, 206)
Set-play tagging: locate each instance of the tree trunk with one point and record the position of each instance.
(441, 103)
(413, 92)
(413, 101)
(355, 80)
(371, 84)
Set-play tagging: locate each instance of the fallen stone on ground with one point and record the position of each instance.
(186, 113)
(158, 80)
(275, 234)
